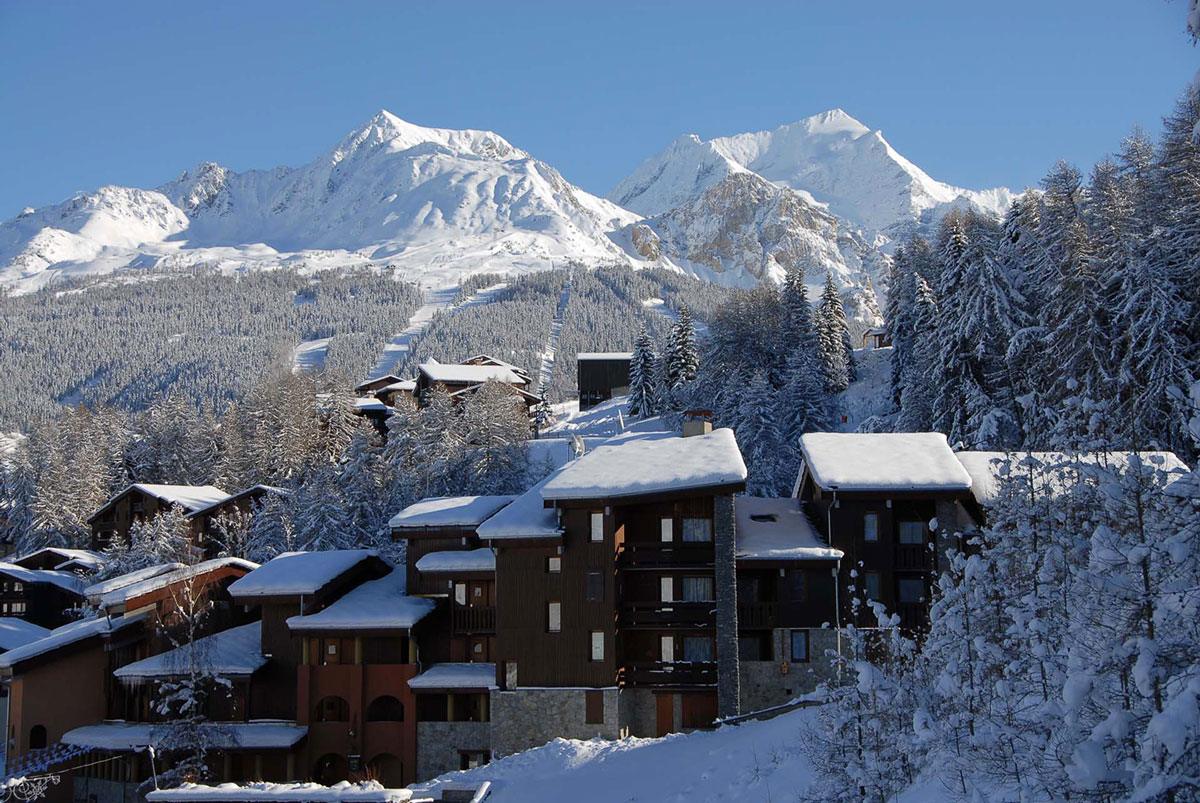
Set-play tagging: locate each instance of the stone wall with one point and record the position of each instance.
(728, 696)
(525, 718)
(764, 683)
(439, 743)
(639, 717)
(96, 790)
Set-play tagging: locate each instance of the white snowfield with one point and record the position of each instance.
(126, 736)
(777, 529)
(642, 466)
(449, 511)
(456, 676)
(911, 461)
(295, 573)
(343, 792)
(375, 605)
(466, 560)
(236, 652)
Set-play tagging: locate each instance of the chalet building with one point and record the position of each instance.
(64, 681)
(77, 561)
(205, 520)
(463, 378)
(44, 597)
(602, 375)
(877, 337)
(142, 501)
(372, 386)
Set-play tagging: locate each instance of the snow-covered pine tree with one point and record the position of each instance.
(758, 435)
(682, 357)
(803, 403)
(916, 408)
(495, 427)
(1178, 173)
(643, 385)
(270, 530)
(833, 338)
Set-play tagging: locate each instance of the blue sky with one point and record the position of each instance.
(977, 93)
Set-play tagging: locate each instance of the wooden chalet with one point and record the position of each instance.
(44, 597)
(460, 378)
(602, 375)
(63, 559)
(144, 500)
(877, 337)
(372, 386)
(205, 520)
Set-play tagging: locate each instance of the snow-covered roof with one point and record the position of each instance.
(188, 497)
(70, 633)
(449, 511)
(373, 380)
(64, 580)
(268, 735)
(231, 653)
(296, 573)
(988, 469)
(469, 374)
(253, 489)
(456, 676)
(154, 583)
(375, 605)
(526, 517)
(96, 591)
(408, 385)
(646, 466)
(488, 359)
(371, 404)
(464, 560)
(883, 461)
(777, 529)
(17, 632)
(342, 792)
(79, 557)
(604, 355)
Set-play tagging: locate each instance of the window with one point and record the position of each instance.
(554, 565)
(331, 709)
(597, 527)
(666, 588)
(797, 585)
(697, 648)
(667, 529)
(871, 582)
(799, 646)
(385, 709)
(460, 593)
(37, 737)
(597, 645)
(18, 586)
(594, 587)
(594, 707)
(870, 526)
(755, 647)
(554, 617)
(697, 530)
(912, 532)
(697, 589)
(666, 649)
(911, 589)
(470, 759)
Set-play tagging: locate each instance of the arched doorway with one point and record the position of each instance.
(385, 708)
(330, 769)
(331, 709)
(387, 769)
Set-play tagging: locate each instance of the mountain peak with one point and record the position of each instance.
(832, 121)
(393, 133)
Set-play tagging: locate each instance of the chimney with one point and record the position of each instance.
(697, 422)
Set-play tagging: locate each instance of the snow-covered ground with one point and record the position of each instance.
(546, 369)
(437, 300)
(309, 355)
(870, 394)
(753, 761)
(607, 418)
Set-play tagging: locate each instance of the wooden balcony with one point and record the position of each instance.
(668, 615)
(677, 673)
(473, 619)
(661, 555)
(758, 614)
(913, 557)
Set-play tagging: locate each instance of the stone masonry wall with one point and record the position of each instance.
(525, 718)
(765, 684)
(439, 743)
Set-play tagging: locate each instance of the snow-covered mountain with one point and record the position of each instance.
(829, 160)
(436, 203)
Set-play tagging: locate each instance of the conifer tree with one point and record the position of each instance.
(759, 438)
(643, 384)
(833, 338)
(682, 358)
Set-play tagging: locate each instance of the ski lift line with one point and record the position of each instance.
(72, 769)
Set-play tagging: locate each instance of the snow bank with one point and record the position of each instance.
(376, 605)
(901, 461)
(296, 573)
(17, 632)
(233, 652)
(777, 529)
(645, 466)
(266, 735)
(449, 511)
(456, 676)
(467, 560)
(362, 792)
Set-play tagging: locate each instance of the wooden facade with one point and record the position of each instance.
(602, 376)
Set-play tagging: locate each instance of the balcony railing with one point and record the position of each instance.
(913, 557)
(668, 614)
(758, 614)
(473, 619)
(663, 554)
(661, 673)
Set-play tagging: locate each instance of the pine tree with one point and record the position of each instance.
(643, 385)
(833, 338)
(916, 410)
(682, 358)
(759, 438)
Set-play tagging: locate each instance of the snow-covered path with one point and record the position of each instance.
(309, 355)
(546, 369)
(436, 300)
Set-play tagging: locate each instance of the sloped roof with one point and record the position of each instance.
(469, 374)
(883, 461)
(648, 466)
(375, 605)
(164, 579)
(17, 632)
(341, 792)
(458, 560)
(253, 489)
(96, 591)
(449, 511)
(456, 676)
(189, 497)
(297, 573)
(82, 557)
(368, 382)
(64, 580)
(68, 634)
(134, 735)
(526, 517)
(770, 528)
(585, 356)
(235, 652)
